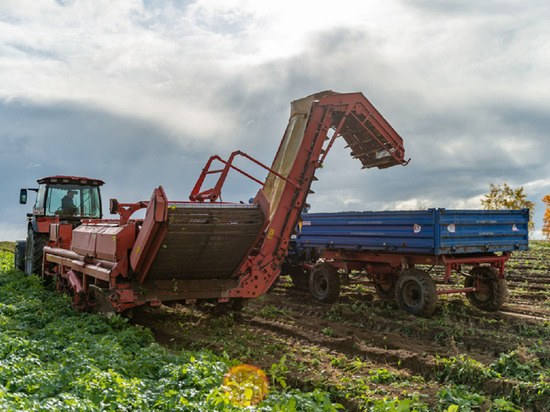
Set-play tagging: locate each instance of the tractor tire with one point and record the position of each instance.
(495, 291)
(34, 251)
(19, 255)
(415, 293)
(385, 286)
(324, 282)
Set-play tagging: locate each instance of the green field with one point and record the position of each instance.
(54, 358)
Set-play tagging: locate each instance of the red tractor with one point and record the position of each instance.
(66, 199)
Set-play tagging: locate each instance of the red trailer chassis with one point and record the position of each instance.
(206, 249)
(395, 277)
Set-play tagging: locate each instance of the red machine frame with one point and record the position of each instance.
(114, 257)
(382, 264)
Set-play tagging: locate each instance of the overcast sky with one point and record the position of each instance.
(140, 93)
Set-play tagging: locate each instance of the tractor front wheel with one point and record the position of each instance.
(33, 251)
(415, 293)
(493, 293)
(324, 282)
(19, 255)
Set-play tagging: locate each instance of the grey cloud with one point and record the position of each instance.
(464, 96)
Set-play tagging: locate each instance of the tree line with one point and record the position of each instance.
(503, 196)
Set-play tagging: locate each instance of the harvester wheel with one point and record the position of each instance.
(33, 251)
(324, 282)
(415, 293)
(99, 301)
(234, 305)
(385, 286)
(494, 293)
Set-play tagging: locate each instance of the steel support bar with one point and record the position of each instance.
(214, 193)
(52, 254)
(453, 263)
(399, 159)
(335, 135)
(462, 290)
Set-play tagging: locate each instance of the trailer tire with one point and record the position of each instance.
(415, 293)
(19, 255)
(385, 286)
(34, 251)
(496, 292)
(324, 282)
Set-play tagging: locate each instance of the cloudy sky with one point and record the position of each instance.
(140, 93)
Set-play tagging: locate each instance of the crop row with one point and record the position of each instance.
(54, 358)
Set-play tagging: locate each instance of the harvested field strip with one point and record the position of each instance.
(370, 356)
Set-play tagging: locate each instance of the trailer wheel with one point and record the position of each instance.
(415, 293)
(385, 286)
(324, 282)
(33, 251)
(494, 293)
(19, 255)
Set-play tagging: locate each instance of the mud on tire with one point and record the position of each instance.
(495, 291)
(415, 293)
(324, 282)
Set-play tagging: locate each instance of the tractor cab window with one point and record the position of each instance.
(72, 201)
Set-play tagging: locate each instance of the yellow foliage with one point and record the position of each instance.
(503, 197)
(546, 218)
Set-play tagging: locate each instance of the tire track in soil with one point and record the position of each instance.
(357, 346)
(377, 332)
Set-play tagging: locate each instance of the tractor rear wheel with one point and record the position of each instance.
(33, 251)
(324, 282)
(415, 293)
(494, 291)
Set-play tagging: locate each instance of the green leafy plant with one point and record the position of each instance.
(460, 398)
(54, 358)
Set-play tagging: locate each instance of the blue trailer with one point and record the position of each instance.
(388, 246)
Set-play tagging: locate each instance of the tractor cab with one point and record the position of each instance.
(60, 199)
(66, 198)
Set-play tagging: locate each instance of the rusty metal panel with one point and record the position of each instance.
(84, 239)
(151, 233)
(107, 242)
(206, 241)
(114, 242)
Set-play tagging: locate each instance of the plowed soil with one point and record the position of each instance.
(362, 349)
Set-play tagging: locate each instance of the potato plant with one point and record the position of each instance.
(54, 358)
